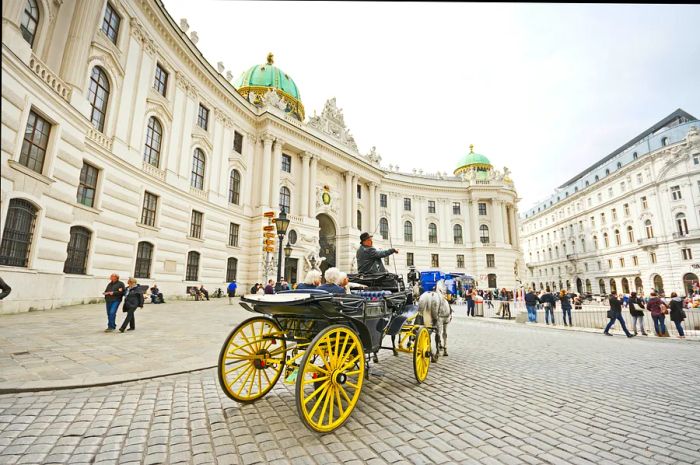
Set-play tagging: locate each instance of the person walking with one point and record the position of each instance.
(6, 289)
(549, 303)
(615, 313)
(470, 302)
(113, 296)
(232, 286)
(677, 313)
(565, 299)
(531, 300)
(636, 306)
(658, 313)
(133, 299)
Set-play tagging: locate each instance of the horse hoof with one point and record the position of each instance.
(444, 353)
(396, 354)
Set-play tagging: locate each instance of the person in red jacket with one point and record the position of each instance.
(658, 310)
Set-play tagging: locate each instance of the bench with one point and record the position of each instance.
(193, 291)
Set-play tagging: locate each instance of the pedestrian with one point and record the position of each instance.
(531, 300)
(113, 296)
(133, 299)
(6, 289)
(677, 313)
(565, 299)
(615, 313)
(636, 306)
(505, 306)
(549, 304)
(203, 291)
(156, 295)
(270, 288)
(232, 286)
(658, 313)
(470, 302)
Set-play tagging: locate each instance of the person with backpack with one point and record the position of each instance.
(232, 286)
(615, 313)
(549, 303)
(636, 306)
(677, 313)
(658, 311)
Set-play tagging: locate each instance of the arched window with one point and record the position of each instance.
(432, 233)
(78, 248)
(457, 230)
(681, 224)
(192, 266)
(408, 231)
(625, 286)
(18, 233)
(198, 169)
(99, 97)
(607, 171)
(664, 141)
(630, 234)
(231, 269)
(484, 232)
(649, 229)
(234, 188)
(658, 283)
(154, 137)
(359, 219)
(588, 286)
(613, 285)
(605, 240)
(384, 228)
(144, 256)
(638, 284)
(285, 199)
(618, 241)
(30, 20)
(601, 286)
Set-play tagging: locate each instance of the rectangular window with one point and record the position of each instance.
(110, 23)
(600, 266)
(676, 193)
(626, 207)
(160, 83)
(435, 260)
(602, 218)
(382, 200)
(482, 208)
(635, 260)
(286, 163)
(590, 201)
(592, 221)
(610, 264)
(36, 139)
(652, 257)
(490, 260)
(614, 214)
(696, 159)
(237, 142)
(460, 261)
(359, 191)
(622, 187)
(196, 225)
(407, 204)
(600, 197)
(431, 206)
(456, 208)
(610, 192)
(409, 259)
(150, 206)
(233, 235)
(585, 265)
(640, 178)
(203, 117)
(88, 185)
(687, 254)
(622, 262)
(645, 205)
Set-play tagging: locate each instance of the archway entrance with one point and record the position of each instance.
(638, 284)
(690, 283)
(625, 286)
(326, 241)
(613, 286)
(579, 285)
(658, 283)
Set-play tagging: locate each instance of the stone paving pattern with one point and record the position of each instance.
(507, 394)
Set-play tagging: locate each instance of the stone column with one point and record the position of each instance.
(497, 221)
(305, 159)
(353, 192)
(468, 222)
(474, 220)
(504, 219)
(348, 199)
(372, 223)
(312, 186)
(447, 234)
(276, 170)
(266, 162)
(82, 29)
(247, 178)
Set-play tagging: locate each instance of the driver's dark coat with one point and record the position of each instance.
(369, 259)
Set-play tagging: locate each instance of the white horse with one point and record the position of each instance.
(437, 314)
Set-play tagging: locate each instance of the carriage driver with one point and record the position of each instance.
(369, 259)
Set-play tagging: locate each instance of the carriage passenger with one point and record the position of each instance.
(311, 281)
(333, 279)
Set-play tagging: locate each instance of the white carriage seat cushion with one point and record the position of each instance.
(371, 295)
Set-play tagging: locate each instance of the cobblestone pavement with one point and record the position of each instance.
(507, 394)
(68, 346)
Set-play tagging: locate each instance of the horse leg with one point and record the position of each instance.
(393, 345)
(444, 338)
(436, 353)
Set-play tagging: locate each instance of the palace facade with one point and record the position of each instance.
(124, 150)
(629, 222)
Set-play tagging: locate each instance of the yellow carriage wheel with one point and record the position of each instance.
(330, 378)
(252, 359)
(421, 354)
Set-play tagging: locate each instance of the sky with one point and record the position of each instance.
(544, 89)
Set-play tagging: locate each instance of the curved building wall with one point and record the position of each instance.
(51, 79)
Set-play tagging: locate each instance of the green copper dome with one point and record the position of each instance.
(255, 83)
(473, 161)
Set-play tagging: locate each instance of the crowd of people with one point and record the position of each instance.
(334, 281)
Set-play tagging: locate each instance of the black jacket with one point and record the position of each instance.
(118, 288)
(565, 302)
(676, 309)
(636, 306)
(531, 298)
(615, 304)
(548, 298)
(6, 289)
(134, 299)
(369, 259)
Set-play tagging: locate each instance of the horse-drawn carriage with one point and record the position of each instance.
(322, 343)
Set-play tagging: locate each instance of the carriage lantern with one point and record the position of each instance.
(281, 223)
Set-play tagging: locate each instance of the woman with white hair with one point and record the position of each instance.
(311, 281)
(333, 279)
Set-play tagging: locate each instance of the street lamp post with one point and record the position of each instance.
(281, 223)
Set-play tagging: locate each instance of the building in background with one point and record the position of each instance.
(629, 222)
(124, 150)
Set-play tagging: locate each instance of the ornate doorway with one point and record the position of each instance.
(326, 241)
(690, 283)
